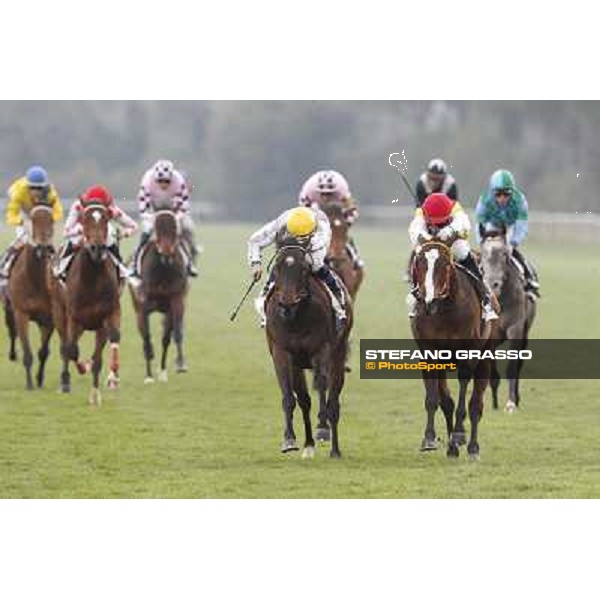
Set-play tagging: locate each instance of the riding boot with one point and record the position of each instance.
(123, 270)
(489, 314)
(63, 260)
(337, 295)
(411, 300)
(144, 239)
(7, 261)
(531, 284)
(354, 253)
(189, 252)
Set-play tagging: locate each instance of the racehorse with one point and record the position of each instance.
(518, 309)
(28, 296)
(301, 334)
(163, 289)
(337, 255)
(89, 300)
(448, 317)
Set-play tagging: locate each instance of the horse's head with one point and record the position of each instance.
(495, 257)
(166, 228)
(339, 227)
(292, 272)
(433, 269)
(95, 230)
(42, 229)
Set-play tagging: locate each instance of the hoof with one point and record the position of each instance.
(112, 381)
(323, 434)
(336, 454)
(95, 397)
(29, 387)
(148, 380)
(474, 456)
(163, 376)
(65, 388)
(84, 367)
(182, 368)
(459, 438)
(510, 407)
(428, 445)
(12, 356)
(289, 446)
(452, 451)
(308, 452)
(473, 450)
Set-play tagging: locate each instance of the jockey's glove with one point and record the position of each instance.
(21, 231)
(446, 233)
(256, 267)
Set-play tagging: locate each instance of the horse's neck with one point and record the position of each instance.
(88, 270)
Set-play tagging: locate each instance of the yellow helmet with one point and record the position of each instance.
(301, 222)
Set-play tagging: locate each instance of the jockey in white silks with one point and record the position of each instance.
(304, 224)
(164, 188)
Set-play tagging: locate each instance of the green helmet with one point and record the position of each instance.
(502, 180)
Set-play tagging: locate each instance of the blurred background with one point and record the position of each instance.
(248, 159)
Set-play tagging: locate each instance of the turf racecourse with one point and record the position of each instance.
(215, 431)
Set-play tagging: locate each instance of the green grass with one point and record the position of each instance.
(215, 431)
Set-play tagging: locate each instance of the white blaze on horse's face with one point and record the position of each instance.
(337, 223)
(289, 260)
(97, 216)
(431, 256)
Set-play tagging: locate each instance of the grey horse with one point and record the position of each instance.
(517, 314)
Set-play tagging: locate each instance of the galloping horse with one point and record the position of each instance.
(337, 255)
(301, 334)
(28, 295)
(518, 309)
(163, 289)
(88, 300)
(448, 317)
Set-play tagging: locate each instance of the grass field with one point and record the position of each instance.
(215, 431)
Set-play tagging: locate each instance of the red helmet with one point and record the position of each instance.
(97, 194)
(437, 208)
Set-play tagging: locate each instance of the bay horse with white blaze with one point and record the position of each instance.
(28, 294)
(163, 289)
(302, 334)
(89, 300)
(449, 317)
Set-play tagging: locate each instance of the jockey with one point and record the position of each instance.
(23, 194)
(73, 231)
(436, 180)
(504, 206)
(442, 218)
(327, 186)
(164, 188)
(302, 223)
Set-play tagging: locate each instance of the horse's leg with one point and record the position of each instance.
(494, 384)
(482, 373)
(323, 433)
(114, 337)
(283, 367)
(101, 337)
(336, 383)
(515, 342)
(143, 323)
(9, 319)
(46, 330)
(520, 363)
(432, 401)
(447, 403)
(458, 436)
(303, 398)
(178, 310)
(22, 325)
(166, 340)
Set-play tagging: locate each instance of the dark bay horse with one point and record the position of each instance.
(164, 288)
(518, 309)
(89, 300)
(448, 317)
(301, 334)
(337, 255)
(28, 294)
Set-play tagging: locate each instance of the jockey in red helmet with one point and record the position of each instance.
(73, 230)
(445, 220)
